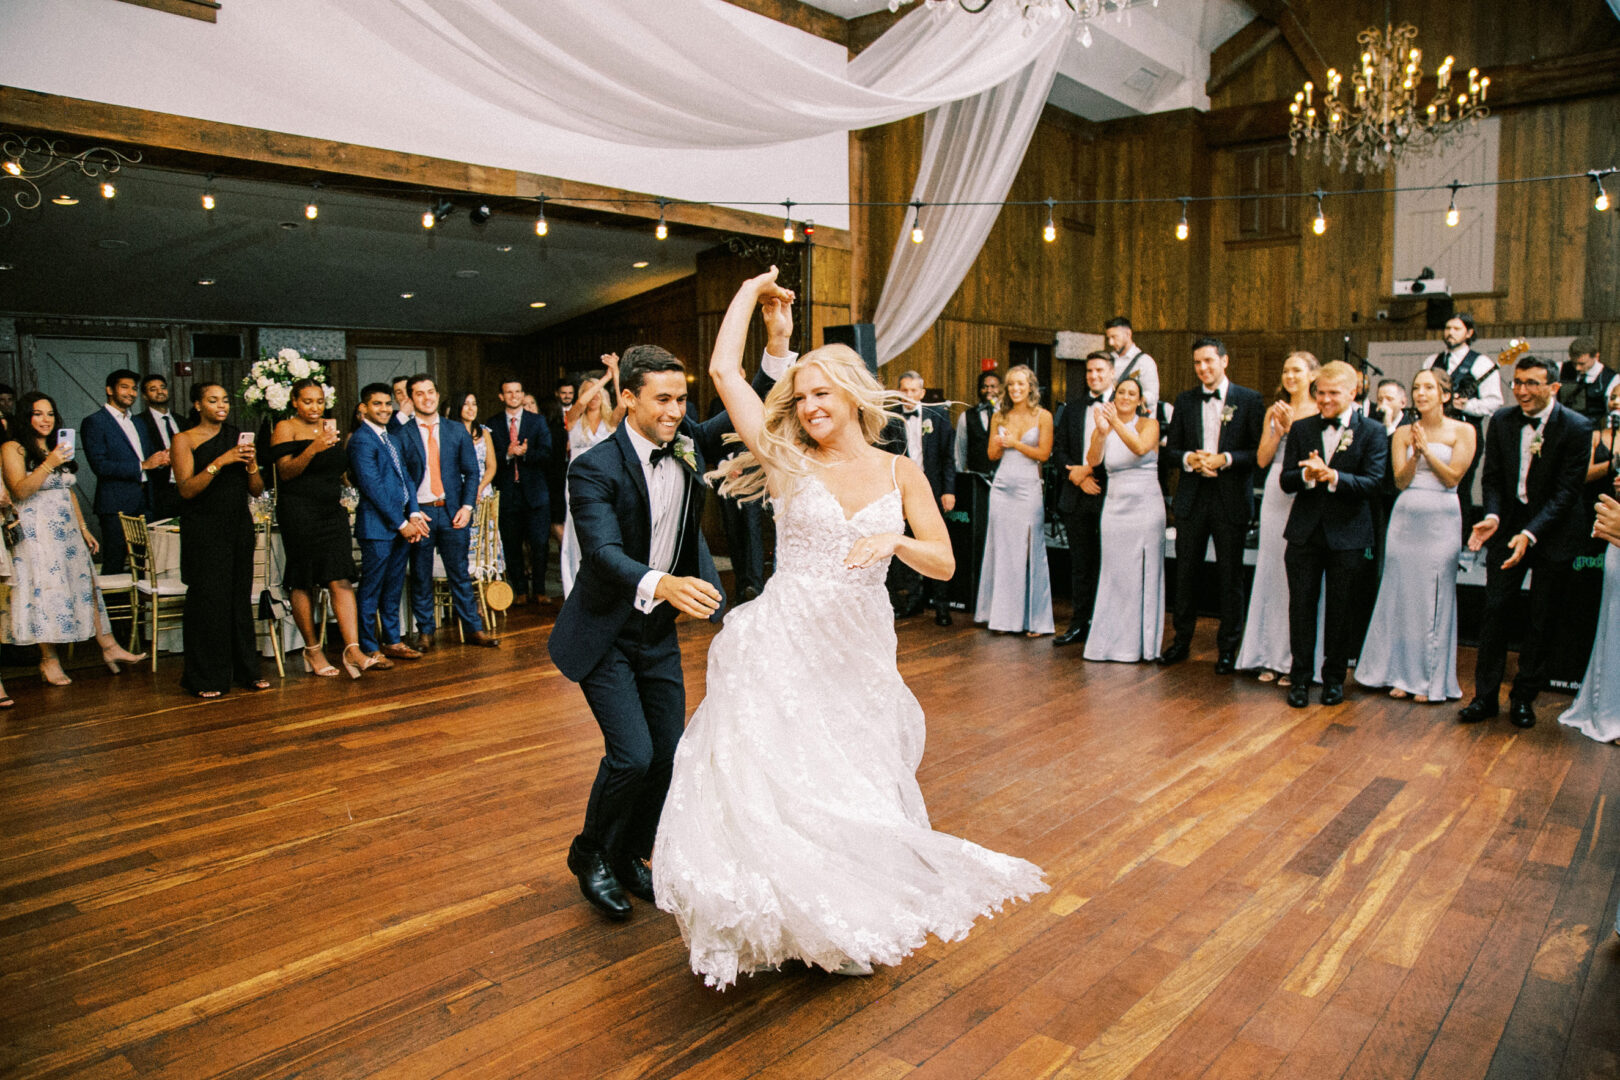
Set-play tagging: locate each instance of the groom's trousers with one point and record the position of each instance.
(638, 698)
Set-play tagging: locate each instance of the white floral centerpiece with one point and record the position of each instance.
(267, 387)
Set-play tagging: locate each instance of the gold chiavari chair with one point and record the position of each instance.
(159, 604)
(270, 607)
(494, 594)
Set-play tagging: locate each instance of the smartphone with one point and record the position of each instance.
(64, 439)
(329, 425)
(244, 438)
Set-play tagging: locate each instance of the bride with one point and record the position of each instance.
(794, 826)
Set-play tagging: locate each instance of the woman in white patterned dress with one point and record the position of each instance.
(794, 826)
(54, 599)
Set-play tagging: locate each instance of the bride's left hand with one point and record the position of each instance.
(871, 549)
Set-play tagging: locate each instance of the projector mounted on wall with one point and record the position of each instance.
(1421, 287)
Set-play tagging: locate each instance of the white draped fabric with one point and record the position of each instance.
(692, 75)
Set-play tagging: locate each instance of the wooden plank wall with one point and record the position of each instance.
(1558, 261)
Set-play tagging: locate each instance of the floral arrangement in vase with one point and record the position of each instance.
(267, 387)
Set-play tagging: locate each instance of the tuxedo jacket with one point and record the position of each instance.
(938, 447)
(1346, 512)
(458, 464)
(146, 424)
(527, 472)
(1591, 401)
(1240, 437)
(387, 495)
(118, 471)
(1069, 446)
(975, 436)
(1553, 485)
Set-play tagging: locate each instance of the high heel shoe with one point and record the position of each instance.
(315, 663)
(51, 671)
(352, 667)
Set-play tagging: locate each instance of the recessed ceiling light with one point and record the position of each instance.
(466, 275)
(503, 247)
(642, 265)
(65, 200)
(108, 244)
(8, 266)
(205, 281)
(537, 303)
(406, 295)
(289, 225)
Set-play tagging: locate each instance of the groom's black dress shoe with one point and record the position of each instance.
(597, 882)
(1299, 695)
(635, 877)
(1226, 663)
(1520, 714)
(1070, 636)
(1175, 654)
(942, 617)
(1476, 710)
(1332, 693)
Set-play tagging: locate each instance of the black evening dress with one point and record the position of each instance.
(216, 563)
(315, 528)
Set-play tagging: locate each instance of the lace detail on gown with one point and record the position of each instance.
(794, 826)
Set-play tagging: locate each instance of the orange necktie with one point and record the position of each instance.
(435, 484)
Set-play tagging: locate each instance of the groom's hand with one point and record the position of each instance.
(692, 595)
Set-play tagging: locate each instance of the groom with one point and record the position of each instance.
(637, 503)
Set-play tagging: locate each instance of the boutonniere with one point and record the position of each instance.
(685, 452)
(1227, 414)
(1346, 439)
(1535, 445)
(928, 426)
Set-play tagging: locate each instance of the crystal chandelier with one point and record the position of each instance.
(1386, 119)
(1036, 11)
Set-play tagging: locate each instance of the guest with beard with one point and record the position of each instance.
(1476, 393)
(973, 427)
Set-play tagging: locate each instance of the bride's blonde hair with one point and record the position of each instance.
(782, 456)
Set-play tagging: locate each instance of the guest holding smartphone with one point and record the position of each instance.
(310, 463)
(216, 470)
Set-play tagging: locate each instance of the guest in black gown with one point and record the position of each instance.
(310, 461)
(216, 475)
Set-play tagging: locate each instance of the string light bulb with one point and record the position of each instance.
(1181, 226)
(541, 226)
(787, 221)
(13, 167)
(1049, 233)
(662, 232)
(1601, 203)
(208, 200)
(1319, 224)
(1452, 217)
(429, 218)
(312, 209)
(916, 222)
(108, 189)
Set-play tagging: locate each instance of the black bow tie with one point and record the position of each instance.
(1094, 399)
(910, 413)
(1209, 395)
(1333, 423)
(661, 453)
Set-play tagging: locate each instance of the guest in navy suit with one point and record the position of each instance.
(386, 523)
(1536, 454)
(119, 455)
(636, 499)
(1214, 438)
(158, 428)
(924, 434)
(1333, 465)
(523, 447)
(446, 495)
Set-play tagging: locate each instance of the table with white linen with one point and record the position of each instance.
(165, 540)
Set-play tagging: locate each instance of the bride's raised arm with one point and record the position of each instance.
(743, 405)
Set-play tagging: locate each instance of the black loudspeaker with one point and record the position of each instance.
(1439, 312)
(859, 336)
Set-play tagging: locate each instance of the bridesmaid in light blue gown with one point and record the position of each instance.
(1411, 642)
(1595, 712)
(1266, 648)
(1127, 623)
(1015, 587)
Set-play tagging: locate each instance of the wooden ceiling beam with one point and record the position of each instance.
(800, 16)
(1299, 40)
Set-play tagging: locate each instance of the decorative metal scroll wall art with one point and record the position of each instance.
(26, 160)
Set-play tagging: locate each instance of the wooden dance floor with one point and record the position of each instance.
(367, 880)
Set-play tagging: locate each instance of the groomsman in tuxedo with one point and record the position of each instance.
(1476, 392)
(386, 523)
(1536, 453)
(1214, 436)
(637, 503)
(1584, 383)
(158, 428)
(120, 456)
(1334, 465)
(973, 427)
(1080, 495)
(438, 457)
(523, 450)
(926, 437)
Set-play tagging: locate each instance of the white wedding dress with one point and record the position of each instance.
(794, 826)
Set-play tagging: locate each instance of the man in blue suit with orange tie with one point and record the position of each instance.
(439, 459)
(386, 523)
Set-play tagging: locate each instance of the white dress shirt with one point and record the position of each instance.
(1490, 387)
(1534, 423)
(914, 433)
(424, 490)
(164, 422)
(1212, 422)
(126, 423)
(1146, 373)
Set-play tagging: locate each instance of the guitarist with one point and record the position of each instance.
(1476, 393)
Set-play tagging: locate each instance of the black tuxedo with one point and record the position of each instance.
(525, 497)
(1218, 508)
(1551, 514)
(938, 464)
(1081, 513)
(1331, 533)
(166, 500)
(1591, 401)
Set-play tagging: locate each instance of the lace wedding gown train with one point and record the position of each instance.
(794, 826)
